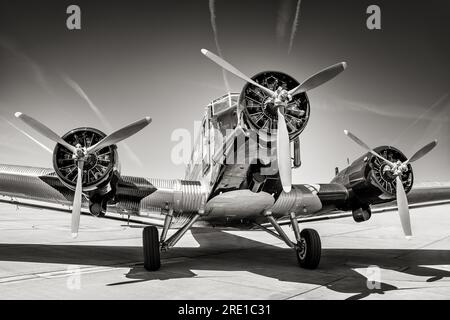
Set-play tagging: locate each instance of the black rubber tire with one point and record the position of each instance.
(150, 241)
(311, 259)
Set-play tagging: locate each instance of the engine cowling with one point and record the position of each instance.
(259, 110)
(369, 180)
(100, 169)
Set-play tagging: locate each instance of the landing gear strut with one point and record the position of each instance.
(152, 244)
(308, 247)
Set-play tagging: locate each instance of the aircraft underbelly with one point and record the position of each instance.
(238, 204)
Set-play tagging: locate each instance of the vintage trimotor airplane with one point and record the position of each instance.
(239, 174)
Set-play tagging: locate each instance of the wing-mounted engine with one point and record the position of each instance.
(370, 179)
(85, 160)
(260, 111)
(99, 170)
(98, 166)
(381, 175)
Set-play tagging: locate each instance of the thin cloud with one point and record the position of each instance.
(216, 40)
(43, 146)
(413, 113)
(283, 18)
(37, 70)
(439, 103)
(75, 86)
(294, 25)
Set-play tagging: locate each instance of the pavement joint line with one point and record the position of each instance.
(63, 273)
(240, 284)
(61, 243)
(347, 232)
(315, 288)
(422, 247)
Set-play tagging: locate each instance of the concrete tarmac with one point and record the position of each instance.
(370, 260)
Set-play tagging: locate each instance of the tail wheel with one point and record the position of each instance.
(150, 239)
(309, 249)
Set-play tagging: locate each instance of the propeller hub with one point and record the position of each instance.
(388, 172)
(279, 101)
(398, 169)
(270, 108)
(80, 154)
(282, 97)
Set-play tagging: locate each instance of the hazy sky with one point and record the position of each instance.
(138, 58)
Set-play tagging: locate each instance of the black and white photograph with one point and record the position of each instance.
(224, 150)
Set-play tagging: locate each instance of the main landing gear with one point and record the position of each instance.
(152, 245)
(152, 260)
(308, 247)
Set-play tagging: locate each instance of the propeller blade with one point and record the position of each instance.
(44, 130)
(319, 78)
(233, 70)
(403, 209)
(120, 135)
(284, 154)
(365, 146)
(76, 210)
(419, 154)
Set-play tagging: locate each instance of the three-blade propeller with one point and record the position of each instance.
(281, 98)
(397, 169)
(80, 154)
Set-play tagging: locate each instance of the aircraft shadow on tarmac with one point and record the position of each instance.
(222, 251)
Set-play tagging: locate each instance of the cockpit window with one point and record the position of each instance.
(224, 103)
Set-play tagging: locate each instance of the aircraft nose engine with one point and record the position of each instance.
(260, 110)
(279, 106)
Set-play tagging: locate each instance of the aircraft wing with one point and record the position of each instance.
(41, 188)
(141, 198)
(422, 195)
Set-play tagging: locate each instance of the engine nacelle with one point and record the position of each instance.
(101, 169)
(369, 180)
(260, 113)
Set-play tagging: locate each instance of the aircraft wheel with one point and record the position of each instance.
(309, 249)
(150, 240)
